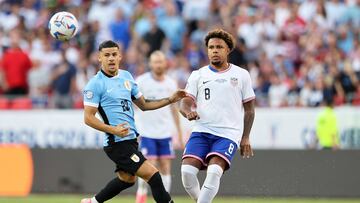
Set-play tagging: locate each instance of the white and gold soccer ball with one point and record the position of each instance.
(63, 26)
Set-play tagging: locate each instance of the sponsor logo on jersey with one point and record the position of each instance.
(127, 85)
(234, 81)
(204, 82)
(135, 158)
(220, 80)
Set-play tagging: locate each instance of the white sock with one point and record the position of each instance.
(93, 200)
(142, 187)
(211, 184)
(167, 182)
(190, 180)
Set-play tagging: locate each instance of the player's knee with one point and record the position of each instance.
(215, 169)
(188, 175)
(126, 177)
(213, 175)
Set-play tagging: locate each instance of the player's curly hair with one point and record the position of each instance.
(221, 34)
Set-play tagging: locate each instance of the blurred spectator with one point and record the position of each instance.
(63, 83)
(154, 38)
(237, 55)
(174, 27)
(120, 29)
(312, 47)
(15, 67)
(195, 56)
(277, 92)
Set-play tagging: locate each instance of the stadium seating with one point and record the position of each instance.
(4, 103)
(21, 103)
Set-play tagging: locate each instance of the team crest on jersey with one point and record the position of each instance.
(234, 81)
(88, 94)
(127, 85)
(135, 158)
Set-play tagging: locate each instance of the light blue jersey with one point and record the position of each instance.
(113, 97)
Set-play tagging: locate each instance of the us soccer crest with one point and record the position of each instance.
(127, 85)
(234, 81)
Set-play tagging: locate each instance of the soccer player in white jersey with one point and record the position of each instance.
(221, 101)
(111, 93)
(156, 127)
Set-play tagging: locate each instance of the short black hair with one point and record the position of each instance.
(221, 34)
(108, 44)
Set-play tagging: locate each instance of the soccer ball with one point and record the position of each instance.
(63, 26)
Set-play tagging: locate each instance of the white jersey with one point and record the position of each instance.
(219, 98)
(157, 123)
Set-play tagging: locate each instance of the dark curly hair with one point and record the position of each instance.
(221, 34)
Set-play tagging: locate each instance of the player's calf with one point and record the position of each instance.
(158, 190)
(211, 184)
(113, 188)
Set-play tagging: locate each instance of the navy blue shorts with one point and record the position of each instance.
(157, 148)
(202, 146)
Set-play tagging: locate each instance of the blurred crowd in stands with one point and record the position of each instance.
(298, 52)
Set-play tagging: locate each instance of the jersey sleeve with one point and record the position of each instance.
(247, 91)
(192, 84)
(135, 92)
(92, 94)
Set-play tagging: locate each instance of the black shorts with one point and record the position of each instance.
(126, 156)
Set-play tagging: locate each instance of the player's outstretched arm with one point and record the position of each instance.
(185, 109)
(145, 105)
(121, 130)
(249, 115)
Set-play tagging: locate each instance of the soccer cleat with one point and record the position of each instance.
(86, 200)
(141, 198)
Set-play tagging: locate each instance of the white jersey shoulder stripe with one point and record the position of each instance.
(91, 104)
(248, 99)
(138, 95)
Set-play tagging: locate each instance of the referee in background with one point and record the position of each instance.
(327, 127)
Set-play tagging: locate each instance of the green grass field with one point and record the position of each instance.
(130, 199)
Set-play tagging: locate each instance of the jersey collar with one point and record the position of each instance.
(216, 71)
(107, 75)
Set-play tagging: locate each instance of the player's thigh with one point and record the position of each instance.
(196, 148)
(193, 162)
(126, 156)
(219, 161)
(164, 166)
(154, 162)
(146, 171)
(222, 152)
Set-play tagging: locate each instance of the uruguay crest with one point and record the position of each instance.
(127, 85)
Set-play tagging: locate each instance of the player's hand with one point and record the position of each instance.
(179, 94)
(193, 115)
(245, 148)
(121, 130)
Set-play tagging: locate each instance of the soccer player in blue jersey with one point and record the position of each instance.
(111, 93)
(221, 101)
